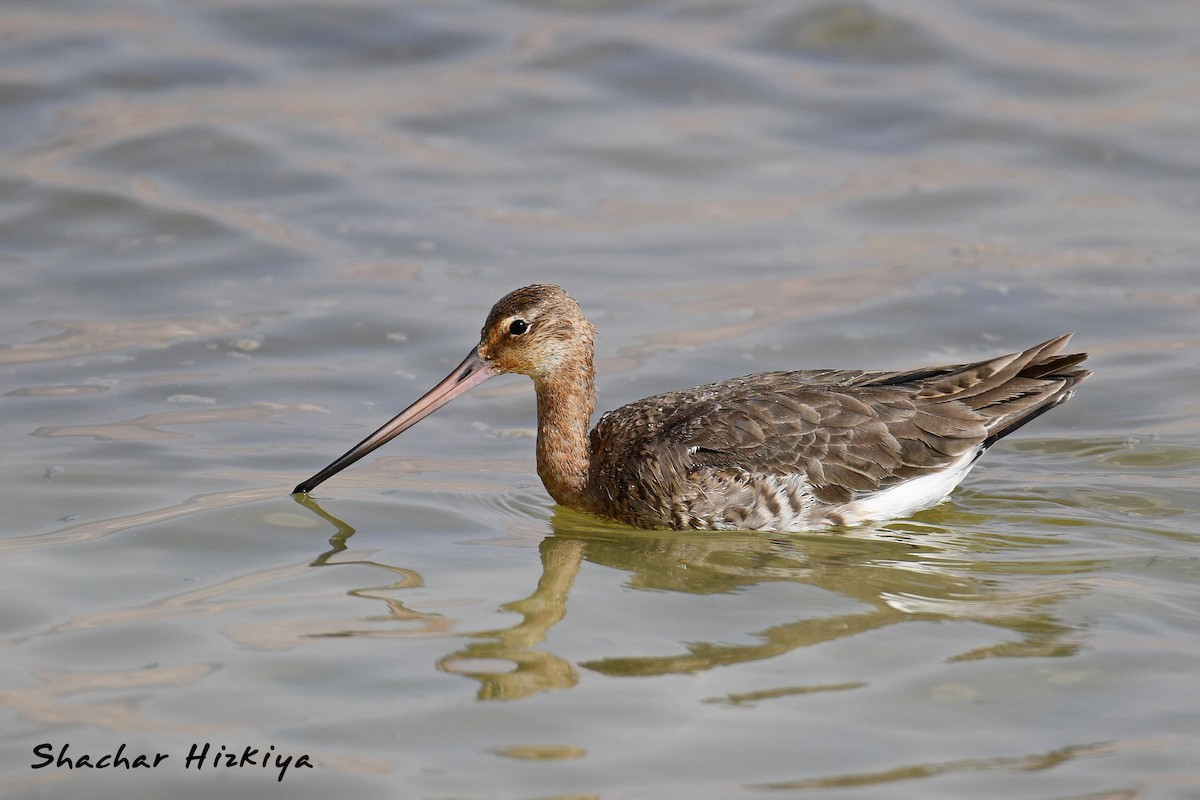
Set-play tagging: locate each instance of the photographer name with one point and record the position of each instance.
(202, 755)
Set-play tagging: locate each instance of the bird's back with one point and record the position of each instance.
(813, 448)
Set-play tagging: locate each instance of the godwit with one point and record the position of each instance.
(775, 451)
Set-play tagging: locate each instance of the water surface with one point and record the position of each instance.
(236, 237)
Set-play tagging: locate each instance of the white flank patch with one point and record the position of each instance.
(910, 496)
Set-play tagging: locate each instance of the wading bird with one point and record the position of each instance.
(787, 451)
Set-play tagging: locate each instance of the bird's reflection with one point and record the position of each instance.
(533, 670)
(409, 579)
(898, 573)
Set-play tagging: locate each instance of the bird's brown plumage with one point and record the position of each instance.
(776, 450)
(720, 455)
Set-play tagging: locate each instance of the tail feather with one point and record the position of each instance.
(1007, 391)
(1043, 379)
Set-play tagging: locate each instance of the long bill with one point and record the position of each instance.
(467, 375)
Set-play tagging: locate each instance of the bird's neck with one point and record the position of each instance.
(565, 402)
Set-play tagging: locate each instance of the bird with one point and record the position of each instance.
(798, 450)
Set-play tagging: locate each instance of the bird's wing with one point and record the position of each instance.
(848, 432)
(846, 440)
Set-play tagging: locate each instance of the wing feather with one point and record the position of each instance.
(843, 434)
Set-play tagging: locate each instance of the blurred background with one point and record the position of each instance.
(235, 237)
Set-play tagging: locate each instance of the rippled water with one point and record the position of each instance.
(235, 237)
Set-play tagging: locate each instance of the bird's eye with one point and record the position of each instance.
(518, 326)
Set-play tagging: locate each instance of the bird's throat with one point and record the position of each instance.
(565, 402)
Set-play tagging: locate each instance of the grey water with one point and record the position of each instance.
(236, 237)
